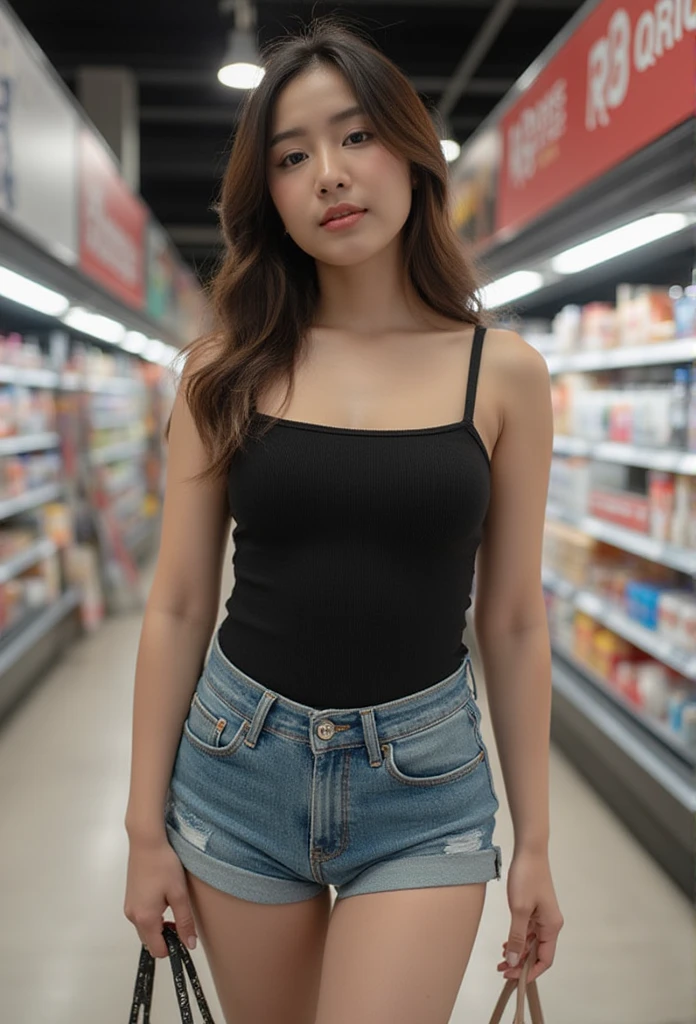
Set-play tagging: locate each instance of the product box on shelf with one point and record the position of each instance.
(644, 314)
(599, 326)
(629, 510)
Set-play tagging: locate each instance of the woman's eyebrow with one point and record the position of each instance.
(294, 133)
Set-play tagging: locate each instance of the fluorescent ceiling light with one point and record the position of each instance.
(451, 149)
(616, 243)
(240, 66)
(95, 324)
(134, 341)
(29, 293)
(154, 350)
(509, 288)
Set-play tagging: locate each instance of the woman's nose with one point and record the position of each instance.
(330, 175)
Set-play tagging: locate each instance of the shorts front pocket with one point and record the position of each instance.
(212, 726)
(437, 754)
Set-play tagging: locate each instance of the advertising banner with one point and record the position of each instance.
(38, 129)
(623, 79)
(162, 262)
(112, 225)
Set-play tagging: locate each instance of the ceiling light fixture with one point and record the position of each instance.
(95, 324)
(451, 149)
(511, 287)
(135, 342)
(28, 293)
(617, 243)
(241, 65)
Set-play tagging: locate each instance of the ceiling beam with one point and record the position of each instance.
(226, 116)
(494, 87)
(475, 55)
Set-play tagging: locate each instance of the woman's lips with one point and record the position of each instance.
(346, 221)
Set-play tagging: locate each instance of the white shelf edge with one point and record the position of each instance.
(627, 454)
(601, 610)
(28, 443)
(581, 695)
(31, 499)
(43, 548)
(652, 354)
(681, 559)
(28, 377)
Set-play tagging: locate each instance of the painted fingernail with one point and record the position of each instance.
(513, 959)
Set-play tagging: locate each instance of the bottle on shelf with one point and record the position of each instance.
(679, 409)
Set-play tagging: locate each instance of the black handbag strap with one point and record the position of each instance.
(145, 981)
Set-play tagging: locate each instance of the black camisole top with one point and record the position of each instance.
(354, 556)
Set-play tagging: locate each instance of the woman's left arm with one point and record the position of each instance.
(513, 639)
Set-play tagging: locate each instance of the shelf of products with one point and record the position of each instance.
(80, 491)
(619, 558)
(630, 455)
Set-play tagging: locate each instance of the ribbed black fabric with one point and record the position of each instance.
(354, 556)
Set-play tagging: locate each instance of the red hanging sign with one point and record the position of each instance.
(112, 225)
(623, 79)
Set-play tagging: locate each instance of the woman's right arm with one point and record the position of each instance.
(180, 616)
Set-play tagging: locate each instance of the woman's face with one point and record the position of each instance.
(324, 152)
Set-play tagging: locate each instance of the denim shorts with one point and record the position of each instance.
(274, 801)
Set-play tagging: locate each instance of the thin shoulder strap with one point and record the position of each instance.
(474, 363)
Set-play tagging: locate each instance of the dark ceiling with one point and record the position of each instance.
(187, 117)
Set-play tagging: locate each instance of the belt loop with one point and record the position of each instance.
(262, 709)
(371, 738)
(470, 669)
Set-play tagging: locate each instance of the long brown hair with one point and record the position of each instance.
(265, 292)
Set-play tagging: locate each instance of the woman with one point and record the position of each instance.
(333, 737)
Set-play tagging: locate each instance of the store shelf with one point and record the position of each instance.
(681, 559)
(645, 781)
(658, 729)
(114, 385)
(102, 385)
(25, 559)
(22, 637)
(117, 452)
(620, 623)
(682, 351)
(28, 443)
(31, 499)
(27, 377)
(670, 461)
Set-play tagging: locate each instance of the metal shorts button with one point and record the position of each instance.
(325, 730)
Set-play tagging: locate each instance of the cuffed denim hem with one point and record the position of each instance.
(237, 881)
(426, 872)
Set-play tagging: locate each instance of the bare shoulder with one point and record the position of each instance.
(519, 371)
(509, 354)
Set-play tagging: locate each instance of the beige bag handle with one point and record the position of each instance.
(524, 988)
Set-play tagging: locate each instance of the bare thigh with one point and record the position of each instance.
(265, 959)
(398, 956)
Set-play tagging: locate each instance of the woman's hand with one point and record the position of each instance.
(535, 912)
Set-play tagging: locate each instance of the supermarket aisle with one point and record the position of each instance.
(68, 956)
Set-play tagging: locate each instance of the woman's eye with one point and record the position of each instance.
(358, 133)
(284, 162)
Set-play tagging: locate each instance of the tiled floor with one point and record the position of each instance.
(68, 955)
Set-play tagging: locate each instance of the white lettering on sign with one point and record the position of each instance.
(536, 129)
(657, 31)
(106, 239)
